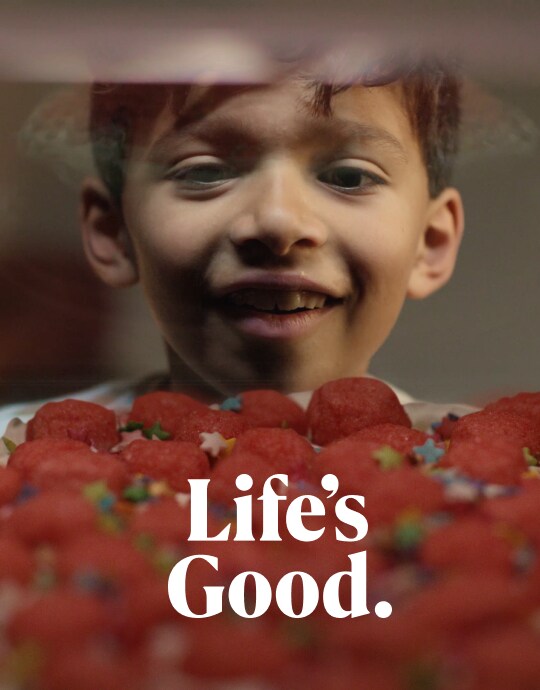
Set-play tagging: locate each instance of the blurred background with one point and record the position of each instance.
(60, 330)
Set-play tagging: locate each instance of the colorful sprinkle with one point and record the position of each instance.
(233, 404)
(132, 426)
(529, 458)
(156, 432)
(135, 493)
(212, 443)
(388, 458)
(428, 452)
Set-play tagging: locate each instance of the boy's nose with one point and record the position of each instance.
(278, 214)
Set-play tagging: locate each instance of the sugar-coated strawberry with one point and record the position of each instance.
(339, 408)
(228, 424)
(284, 450)
(60, 617)
(164, 521)
(271, 408)
(222, 488)
(218, 648)
(165, 407)
(93, 424)
(352, 460)
(445, 428)
(497, 424)
(146, 604)
(10, 484)
(86, 668)
(29, 455)
(342, 672)
(397, 436)
(76, 472)
(504, 657)
(16, 561)
(518, 511)
(52, 517)
(468, 544)
(110, 557)
(495, 460)
(466, 602)
(389, 494)
(172, 461)
(523, 404)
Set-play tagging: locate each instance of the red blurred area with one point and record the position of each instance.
(53, 316)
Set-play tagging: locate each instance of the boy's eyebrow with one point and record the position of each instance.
(220, 129)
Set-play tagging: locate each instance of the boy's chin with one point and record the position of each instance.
(298, 379)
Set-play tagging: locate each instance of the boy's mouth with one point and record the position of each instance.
(279, 301)
(278, 306)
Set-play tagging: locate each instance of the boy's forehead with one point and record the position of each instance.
(265, 113)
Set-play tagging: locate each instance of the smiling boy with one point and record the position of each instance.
(276, 228)
(275, 240)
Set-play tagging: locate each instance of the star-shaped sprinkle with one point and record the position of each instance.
(429, 452)
(230, 445)
(135, 493)
(529, 458)
(96, 491)
(160, 488)
(461, 489)
(212, 443)
(233, 404)
(14, 434)
(127, 438)
(388, 458)
(131, 426)
(155, 431)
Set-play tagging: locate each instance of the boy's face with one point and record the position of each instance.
(259, 207)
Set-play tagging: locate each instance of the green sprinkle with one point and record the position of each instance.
(135, 493)
(144, 542)
(9, 444)
(96, 491)
(284, 424)
(110, 523)
(157, 431)
(25, 661)
(132, 426)
(423, 675)
(408, 535)
(44, 579)
(300, 634)
(388, 458)
(529, 458)
(164, 561)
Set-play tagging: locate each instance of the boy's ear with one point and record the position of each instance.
(439, 244)
(105, 237)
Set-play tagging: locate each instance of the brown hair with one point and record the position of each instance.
(431, 89)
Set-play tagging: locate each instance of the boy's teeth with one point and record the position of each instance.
(278, 299)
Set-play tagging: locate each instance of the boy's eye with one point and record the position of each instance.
(349, 178)
(203, 175)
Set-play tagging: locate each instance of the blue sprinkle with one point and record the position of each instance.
(27, 491)
(231, 404)
(106, 503)
(429, 451)
(220, 511)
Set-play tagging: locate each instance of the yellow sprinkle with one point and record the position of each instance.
(159, 489)
(229, 445)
